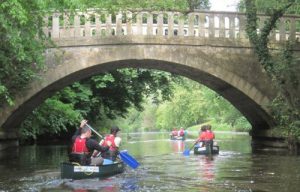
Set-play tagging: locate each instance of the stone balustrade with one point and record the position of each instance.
(202, 24)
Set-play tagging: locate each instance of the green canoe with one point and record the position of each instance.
(73, 171)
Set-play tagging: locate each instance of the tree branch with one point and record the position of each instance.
(271, 23)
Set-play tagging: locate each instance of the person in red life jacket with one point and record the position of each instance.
(181, 132)
(209, 133)
(173, 133)
(209, 137)
(202, 136)
(113, 141)
(83, 147)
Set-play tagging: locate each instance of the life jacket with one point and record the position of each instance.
(202, 136)
(174, 133)
(181, 133)
(209, 135)
(79, 146)
(110, 138)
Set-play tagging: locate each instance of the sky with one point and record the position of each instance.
(223, 5)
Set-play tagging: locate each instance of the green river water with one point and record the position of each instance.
(163, 168)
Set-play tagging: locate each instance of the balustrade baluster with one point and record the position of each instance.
(221, 26)
(201, 29)
(242, 26)
(129, 23)
(63, 31)
(282, 33)
(231, 27)
(292, 34)
(211, 27)
(150, 24)
(98, 25)
(108, 24)
(170, 24)
(76, 26)
(191, 19)
(87, 25)
(119, 24)
(160, 24)
(139, 24)
(180, 25)
(55, 25)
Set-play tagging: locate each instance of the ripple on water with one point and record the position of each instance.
(163, 168)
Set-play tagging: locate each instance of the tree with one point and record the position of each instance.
(193, 104)
(41, 122)
(282, 68)
(22, 45)
(151, 5)
(108, 95)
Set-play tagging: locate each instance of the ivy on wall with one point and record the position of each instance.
(281, 66)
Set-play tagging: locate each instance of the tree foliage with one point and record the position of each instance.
(52, 117)
(267, 7)
(100, 97)
(121, 5)
(194, 104)
(22, 45)
(281, 66)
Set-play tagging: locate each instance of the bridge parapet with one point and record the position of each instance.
(202, 24)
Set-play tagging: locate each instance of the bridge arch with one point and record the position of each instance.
(228, 70)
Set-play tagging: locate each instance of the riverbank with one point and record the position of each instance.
(219, 127)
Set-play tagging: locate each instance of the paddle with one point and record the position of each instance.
(187, 151)
(129, 160)
(94, 131)
(96, 153)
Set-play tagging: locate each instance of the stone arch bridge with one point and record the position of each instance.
(208, 47)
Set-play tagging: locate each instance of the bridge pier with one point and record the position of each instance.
(268, 142)
(8, 140)
(273, 140)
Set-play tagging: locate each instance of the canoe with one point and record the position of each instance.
(203, 151)
(177, 137)
(73, 171)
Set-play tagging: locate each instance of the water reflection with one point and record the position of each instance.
(206, 168)
(130, 185)
(177, 146)
(80, 190)
(112, 184)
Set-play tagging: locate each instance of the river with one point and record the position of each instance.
(163, 168)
